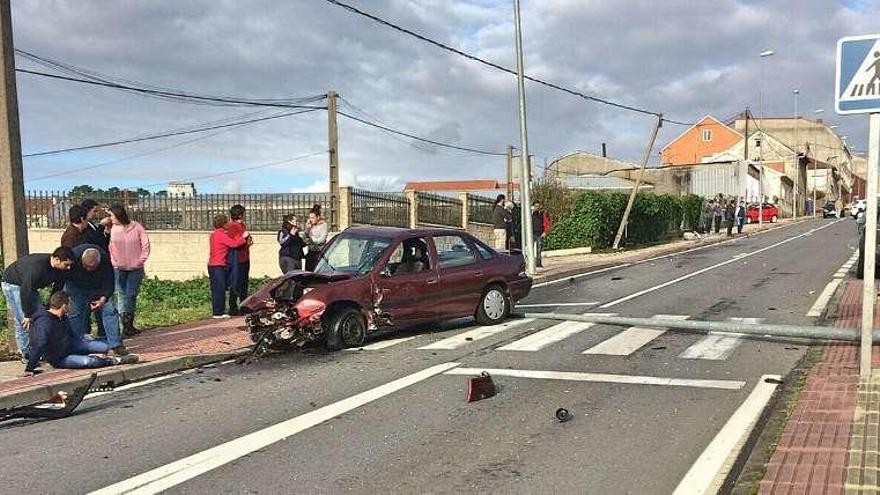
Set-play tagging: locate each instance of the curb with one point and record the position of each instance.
(114, 377)
(635, 258)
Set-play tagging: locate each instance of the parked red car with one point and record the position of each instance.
(370, 278)
(771, 213)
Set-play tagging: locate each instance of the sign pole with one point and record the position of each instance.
(869, 290)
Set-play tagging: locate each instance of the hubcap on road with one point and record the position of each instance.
(493, 304)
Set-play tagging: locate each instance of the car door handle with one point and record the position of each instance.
(431, 281)
(478, 274)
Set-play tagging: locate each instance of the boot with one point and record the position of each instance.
(128, 328)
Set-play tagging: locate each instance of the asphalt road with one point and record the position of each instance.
(394, 419)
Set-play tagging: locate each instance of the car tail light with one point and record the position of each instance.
(307, 308)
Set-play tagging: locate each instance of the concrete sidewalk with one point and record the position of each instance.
(830, 442)
(161, 351)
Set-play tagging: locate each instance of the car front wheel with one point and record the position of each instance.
(494, 306)
(344, 328)
(773, 219)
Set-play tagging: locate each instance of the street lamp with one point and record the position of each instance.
(818, 111)
(763, 55)
(797, 158)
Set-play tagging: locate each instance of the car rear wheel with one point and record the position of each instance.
(345, 328)
(494, 306)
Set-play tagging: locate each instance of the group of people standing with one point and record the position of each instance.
(505, 226)
(102, 255)
(229, 258)
(719, 210)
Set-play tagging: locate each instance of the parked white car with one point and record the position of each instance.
(858, 208)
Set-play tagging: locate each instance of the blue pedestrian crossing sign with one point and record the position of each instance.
(858, 75)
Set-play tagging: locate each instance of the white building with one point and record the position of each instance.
(181, 189)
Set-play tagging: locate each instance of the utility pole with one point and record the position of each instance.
(632, 195)
(510, 173)
(333, 140)
(526, 175)
(797, 159)
(13, 226)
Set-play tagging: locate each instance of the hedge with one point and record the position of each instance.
(596, 215)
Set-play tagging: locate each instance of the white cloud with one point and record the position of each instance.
(231, 187)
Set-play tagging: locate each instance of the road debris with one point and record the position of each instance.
(562, 415)
(480, 387)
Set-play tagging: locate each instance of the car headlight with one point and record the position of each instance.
(307, 308)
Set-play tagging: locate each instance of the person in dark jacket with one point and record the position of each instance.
(291, 252)
(717, 216)
(540, 229)
(74, 234)
(740, 217)
(500, 223)
(90, 285)
(56, 342)
(21, 281)
(730, 217)
(97, 231)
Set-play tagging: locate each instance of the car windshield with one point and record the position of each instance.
(352, 254)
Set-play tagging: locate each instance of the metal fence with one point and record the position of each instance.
(439, 210)
(263, 212)
(480, 209)
(376, 208)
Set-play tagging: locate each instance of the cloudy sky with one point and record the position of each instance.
(683, 58)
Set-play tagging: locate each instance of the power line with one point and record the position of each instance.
(167, 134)
(474, 58)
(239, 170)
(418, 138)
(178, 95)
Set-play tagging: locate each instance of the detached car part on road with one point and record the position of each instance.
(377, 278)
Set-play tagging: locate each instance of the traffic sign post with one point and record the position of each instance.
(857, 90)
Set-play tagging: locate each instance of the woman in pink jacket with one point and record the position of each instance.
(129, 250)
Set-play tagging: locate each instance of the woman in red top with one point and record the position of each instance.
(221, 242)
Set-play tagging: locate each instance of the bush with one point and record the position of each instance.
(596, 216)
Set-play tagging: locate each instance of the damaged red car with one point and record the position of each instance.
(373, 278)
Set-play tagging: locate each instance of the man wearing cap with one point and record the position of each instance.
(91, 284)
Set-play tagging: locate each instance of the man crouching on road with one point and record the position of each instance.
(55, 341)
(91, 284)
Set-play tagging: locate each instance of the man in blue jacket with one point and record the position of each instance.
(91, 284)
(55, 341)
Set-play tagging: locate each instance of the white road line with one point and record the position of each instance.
(709, 268)
(382, 344)
(824, 298)
(709, 471)
(717, 346)
(540, 340)
(631, 339)
(582, 275)
(479, 333)
(602, 378)
(130, 386)
(170, 475)
(557, 305)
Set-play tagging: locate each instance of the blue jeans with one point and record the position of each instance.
(13, 300)
(80, 311)
(79, 355)
(128, 285)
(219, 277)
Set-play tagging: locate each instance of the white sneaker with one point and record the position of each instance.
(220, 317)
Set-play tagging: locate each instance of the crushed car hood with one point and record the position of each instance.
(258, 299)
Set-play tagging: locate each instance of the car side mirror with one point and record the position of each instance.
(385, 272)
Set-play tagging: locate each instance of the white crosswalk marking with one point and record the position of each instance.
(717, 346)
(540, 340)
(479, 333)
(631, 339)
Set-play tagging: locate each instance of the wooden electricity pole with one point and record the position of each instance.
(333, 140)
(13, 226)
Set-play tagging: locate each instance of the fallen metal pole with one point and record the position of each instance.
(758, 329)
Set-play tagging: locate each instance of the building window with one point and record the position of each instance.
(707, 135)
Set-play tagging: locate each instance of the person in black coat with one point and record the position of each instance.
(290, 254)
